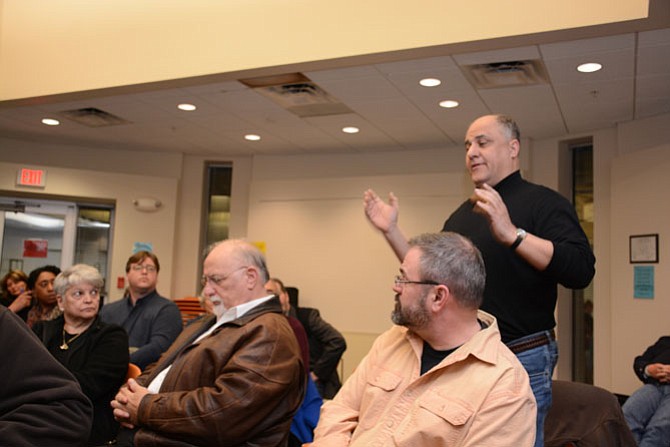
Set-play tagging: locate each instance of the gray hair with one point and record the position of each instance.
(248, 253)
(78, 274)
(509, 126)
(453, 260)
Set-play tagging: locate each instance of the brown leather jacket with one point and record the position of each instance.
(240, 386)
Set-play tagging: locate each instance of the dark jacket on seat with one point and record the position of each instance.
(41, 403)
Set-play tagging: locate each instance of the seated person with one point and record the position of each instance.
(41, 403)
(305, 420)
(647, 410)
(231, 378)
(41, 284)
(151, 321)
(15, 293)
(441, 376)
(95, 352)
(326, 344)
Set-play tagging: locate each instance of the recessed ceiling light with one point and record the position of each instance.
(350, 129)
(589, 67)
(430, 82)
(252, 137)
(186, 107)
(449, 104)
(50, 122)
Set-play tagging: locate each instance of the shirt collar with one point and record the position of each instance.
(238, 311)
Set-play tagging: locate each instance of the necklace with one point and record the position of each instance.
(66, 344)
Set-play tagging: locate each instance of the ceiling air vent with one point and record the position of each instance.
(298, 94)
(92, 117)
(506, 74)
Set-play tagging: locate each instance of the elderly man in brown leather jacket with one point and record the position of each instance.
(231, 379)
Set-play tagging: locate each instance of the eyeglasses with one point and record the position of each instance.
(218, 280)
(400, 280)
(139, 268)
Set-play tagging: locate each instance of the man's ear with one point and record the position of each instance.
(440, 297)
(252, 277)
(514, 147)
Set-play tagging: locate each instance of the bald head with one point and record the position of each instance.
(234, 272)
(492, 149)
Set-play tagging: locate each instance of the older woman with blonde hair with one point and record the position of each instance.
(95, 352)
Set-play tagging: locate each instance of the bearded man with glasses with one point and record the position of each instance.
(151, 321)
(441, 376)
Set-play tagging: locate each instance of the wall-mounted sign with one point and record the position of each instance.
(31, 177)
(35, 248)
(643, 281)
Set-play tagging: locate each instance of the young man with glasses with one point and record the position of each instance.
(151, 321)
(441, 376)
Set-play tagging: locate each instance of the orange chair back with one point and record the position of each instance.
(133, 371)
(190, 308)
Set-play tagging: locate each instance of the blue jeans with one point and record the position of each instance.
(539, 364)
(647, 412)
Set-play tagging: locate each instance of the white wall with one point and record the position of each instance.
(92, 176)
(639, 205)
(308, 210)
(187, 254)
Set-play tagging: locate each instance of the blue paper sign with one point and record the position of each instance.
(643, 281)
(143, 246)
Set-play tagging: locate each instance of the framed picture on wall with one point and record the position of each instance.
(644, 248)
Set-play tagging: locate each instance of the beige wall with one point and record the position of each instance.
(639, 185)
(131, 225)
(128, 42)
(308, 210)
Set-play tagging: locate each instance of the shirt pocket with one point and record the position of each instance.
(379, 390)
(455, 412)
(439, 420)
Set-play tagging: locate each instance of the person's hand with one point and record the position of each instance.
(127, 402)
(487, 202)
(384, 216)
(21, 302)
(658, 371)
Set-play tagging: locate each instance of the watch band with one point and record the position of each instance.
(520, 236)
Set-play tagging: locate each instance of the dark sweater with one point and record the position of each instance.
(519, 296)
(659, 352)
(99, 360)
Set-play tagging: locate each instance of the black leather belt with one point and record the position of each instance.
(533, 342)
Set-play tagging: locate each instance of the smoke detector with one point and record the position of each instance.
(506, 74)
(297, 94)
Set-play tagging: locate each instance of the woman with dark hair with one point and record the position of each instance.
(15, 293)
(96, 353)
(41, 284)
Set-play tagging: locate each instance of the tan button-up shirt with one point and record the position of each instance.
(479, 395)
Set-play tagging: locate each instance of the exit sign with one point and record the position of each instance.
(31, 177)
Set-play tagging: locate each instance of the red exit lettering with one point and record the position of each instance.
(31, 177)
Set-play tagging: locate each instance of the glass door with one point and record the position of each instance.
(35, 232)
